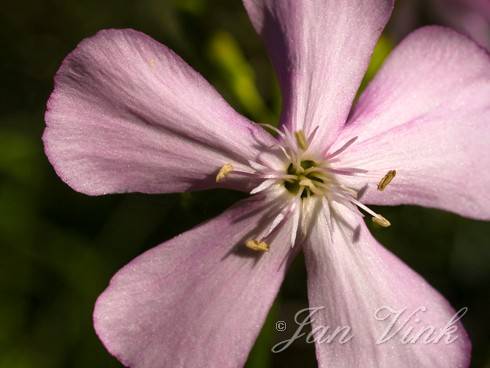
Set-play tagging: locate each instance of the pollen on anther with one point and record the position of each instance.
(225, 170)
(381, 221)
(301, 140)
(256, 245)
(383, 183)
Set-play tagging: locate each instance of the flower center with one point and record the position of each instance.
(308, 184)
(306, 178)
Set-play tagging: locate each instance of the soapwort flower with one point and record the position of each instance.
(129, 115)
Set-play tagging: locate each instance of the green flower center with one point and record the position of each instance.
(306, 178)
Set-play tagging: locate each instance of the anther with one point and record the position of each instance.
(225, 170)
(301, 140)
(383, 183)
(260, 246)
(381, 221)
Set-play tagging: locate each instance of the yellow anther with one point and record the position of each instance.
(225, 170)
(301, 140)
(381, 221)
(383, 183)
(256, 245)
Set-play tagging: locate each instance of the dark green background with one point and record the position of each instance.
(60, 248)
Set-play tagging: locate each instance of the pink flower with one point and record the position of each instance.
(127, 114)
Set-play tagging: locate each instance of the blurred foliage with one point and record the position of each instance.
(58, 248)
(237, 75)
(380, 53)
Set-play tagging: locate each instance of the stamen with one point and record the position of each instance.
(263, 186)
(256, 245)
(289, 140)
(342, 149)
(390, 175)
(273, 128)
(313, 134)
(296, 209)
(377, 218)
(288, 177)
(313, 169)
(284, 135)
(348, 171)
(285, 153)
(306, 182)
(381, 221)
(225, 170)
(275, 223)
(309, 183)
(256, 166)
(301, 140)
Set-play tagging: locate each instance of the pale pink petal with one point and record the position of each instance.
(128, 114)
(320, 50)
(198, 300)
(358, 289)
(427, 116)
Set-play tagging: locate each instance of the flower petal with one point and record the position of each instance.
(427, 116)
(198, 300)
(386, 315)
(320, 50)
(128, 114)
